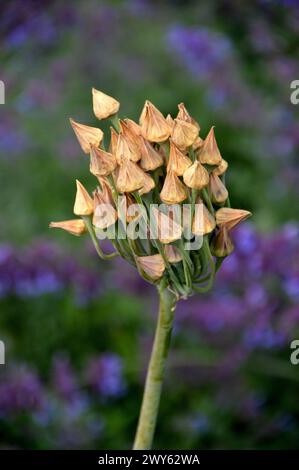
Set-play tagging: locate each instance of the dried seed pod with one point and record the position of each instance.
(101, 163)
(172, 254)
(203, 221)
(87, 135)
(185, 116)
(231, 217)
(154, 126)
(75, 226)
(153, 266)
(83, 202)
(150, 158)
(183, 133)
(168, 229)
(221, 168)
(218, 191)
(173, 191)
(148, 185)
(103, 105)
(209, 152)
(222, 244)
(178, 162)
(113, 141)
(105, 214)
(126, 149)
(196, 176)
(129, 177)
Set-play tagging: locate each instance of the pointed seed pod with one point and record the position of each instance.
(126, 150)
(168, 229)
(222, 244)
(150, 158)
(203, 221)
(128, 207)
(197, 144)
(104, 214)
(75, 227)
(83, 202)
(129, 178)
(154, 126)
(105, 191)
(178, 162)
(104, 105)
(133, 126)
(196, 176)
(172, 254)
(113, 140)
(132, 136)
(221, 168)
(87, 135)
(173, 191)
(209, 152)
(185, 116)
(231, 217)
(101, 163)
(170, 122)
(148, 184)
(183, 134)
(153, 266)
(218, 191)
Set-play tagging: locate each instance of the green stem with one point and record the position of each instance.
(153, 385)
(207, 200)
(115, 122)
(92, 234)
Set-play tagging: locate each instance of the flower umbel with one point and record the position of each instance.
(157, 161)
(161, 199)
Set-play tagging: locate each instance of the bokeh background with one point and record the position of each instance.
(77, 331)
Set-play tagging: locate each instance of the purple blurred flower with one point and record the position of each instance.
(203, 51)
(105, 375)
(64, 380)
(20, 391)
(43, 269)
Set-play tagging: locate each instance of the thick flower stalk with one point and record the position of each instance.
(161, 199)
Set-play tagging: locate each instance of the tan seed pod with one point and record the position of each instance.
(178, 162)
(87, 135)
(83, 203)
(75, 227)
(172, 254)
(173, 191)
(168, 229)
(231, 217)
(185, 116)
(103, 105)
(218, 191)
(222, 244)
(221, 168)
(203, 221)
(150, 158)
(154, 126)
(196, 176)
(101, 163)
(209, 153)
(129, 178)
(153, 266)
(148, 185)
(183, 134)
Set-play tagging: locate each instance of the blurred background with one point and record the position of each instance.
(77, 331)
